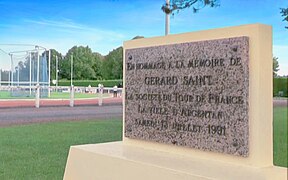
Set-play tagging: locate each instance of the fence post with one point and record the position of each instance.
(100, 87)
(72, 96)
(37, 96)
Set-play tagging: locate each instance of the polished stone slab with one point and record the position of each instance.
(191, 94)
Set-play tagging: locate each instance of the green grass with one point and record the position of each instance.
(53, 95)
(39, 151)
(59, 95)
(280, 84)
(94, 83)
(280, 136)
(6, 95)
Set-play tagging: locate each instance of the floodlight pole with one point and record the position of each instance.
(11, 69)
(0, 77)
(18, 76)
(72, 87)
(30, 73)
(9, 80)
(71, 70)
(57, 73)
(49, 71)
(38, 66)
(37, 101)
(167, 24)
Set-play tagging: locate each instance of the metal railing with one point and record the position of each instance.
(35, 91)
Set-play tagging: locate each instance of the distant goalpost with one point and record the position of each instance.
(23, 69)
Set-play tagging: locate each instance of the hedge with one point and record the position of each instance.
(93, 83)
(280, 84)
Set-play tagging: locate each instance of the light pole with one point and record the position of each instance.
(17, 70)
(0, 77)
(167, 24)
(11, 69)
(9, 80)
(37, 100)
(72, 87)
(30, 73)
(49, 71)
(71, 70)
(57, 71)
(18, 75)
(38, 66)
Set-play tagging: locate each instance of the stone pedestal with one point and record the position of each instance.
(117, 161)
(161, 144)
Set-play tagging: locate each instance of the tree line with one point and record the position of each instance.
(87, 65)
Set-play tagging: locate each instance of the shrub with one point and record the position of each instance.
(93, 83)
(280, 84)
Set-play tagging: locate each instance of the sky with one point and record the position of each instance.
(103, 25)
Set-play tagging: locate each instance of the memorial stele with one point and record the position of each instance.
(190, 94)
(196, 106)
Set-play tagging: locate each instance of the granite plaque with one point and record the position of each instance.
(190, 94)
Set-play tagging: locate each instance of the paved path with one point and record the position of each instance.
(10, 116)
(23, 111)
(93, 101)
(280, 102)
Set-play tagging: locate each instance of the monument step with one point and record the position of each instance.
(119, 161)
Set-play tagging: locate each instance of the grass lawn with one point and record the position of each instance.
(39, 151)
(280, 136)
(53, 95)
(6, 95)
(59, 95)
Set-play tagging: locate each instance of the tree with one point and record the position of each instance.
(4, 75)
(54, 54)
(24, 68)
(275, 66)
(177, 5)
(137, 37)
(97, 65)
(284, 13)
(83, 63)
(112, 67)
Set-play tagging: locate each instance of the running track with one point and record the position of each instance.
(57, 102)
(24, 112)
(26, 115)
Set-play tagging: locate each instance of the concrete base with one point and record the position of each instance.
(119, 161)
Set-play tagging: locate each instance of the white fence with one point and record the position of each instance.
(35, 91)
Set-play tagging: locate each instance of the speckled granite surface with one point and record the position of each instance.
(190, 94)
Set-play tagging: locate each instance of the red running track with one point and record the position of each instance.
(56, 102)
(78, 102)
